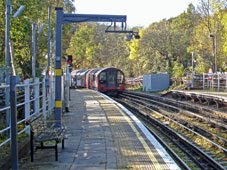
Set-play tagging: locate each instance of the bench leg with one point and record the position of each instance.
(31, 146)
(41, 145)
(56, 151)
(63, 143)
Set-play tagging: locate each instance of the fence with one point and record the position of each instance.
(213, 81)
(134, 82)
(32, 98)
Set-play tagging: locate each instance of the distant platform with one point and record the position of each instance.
(221, 94)
(102, 134)
(202, 96)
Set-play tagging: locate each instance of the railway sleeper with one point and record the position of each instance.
(198, 150)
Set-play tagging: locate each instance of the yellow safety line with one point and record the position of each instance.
(141, 139)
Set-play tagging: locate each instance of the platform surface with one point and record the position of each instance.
(222, 95)
(100, 136)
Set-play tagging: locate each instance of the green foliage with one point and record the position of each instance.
(82, 46)
(178, 69)
(165, 46)
(91, 47)
(21, 32)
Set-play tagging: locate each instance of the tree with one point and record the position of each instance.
(21, 31)
(212, 13)
(91, 47)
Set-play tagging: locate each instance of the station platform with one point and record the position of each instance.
(203, 97)
(206, 92)
(101, 134)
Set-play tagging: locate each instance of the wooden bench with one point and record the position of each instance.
(41, 131)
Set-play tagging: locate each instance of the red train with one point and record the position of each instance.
(106, 80)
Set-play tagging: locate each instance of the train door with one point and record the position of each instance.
(103, 79)
(111, 78)
(120, 78)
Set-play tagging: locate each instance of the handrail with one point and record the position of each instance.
(26, 100)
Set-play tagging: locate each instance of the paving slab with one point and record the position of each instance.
(99, 136)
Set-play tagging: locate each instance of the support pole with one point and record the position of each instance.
(58, 70)
(44, 97)
(192, 70)
(203, 81)
(33, 51)
(13, 122)
(36, 101)
(218, 78)
(7, 58)
(61, 19)
(27, 101)
(67, 85)
(215, 53)
(226, 81)
(48, 46)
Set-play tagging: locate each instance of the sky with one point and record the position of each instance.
(139, 12)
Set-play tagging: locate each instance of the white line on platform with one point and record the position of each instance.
(162, 152)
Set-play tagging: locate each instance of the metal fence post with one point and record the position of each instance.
(36, 88)
(203, 81)
(13, 123)
(226, 80)
(27, 99)
(50, 95)
(53, 93)
(212, 82)
(66, 90)
(218, 81)
(44, 96)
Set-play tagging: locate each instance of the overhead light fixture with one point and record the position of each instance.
(136, 36)
(19, 11)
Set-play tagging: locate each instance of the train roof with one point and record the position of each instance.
(94, 70)
(74, 72)
(84, 72)
(107, 68)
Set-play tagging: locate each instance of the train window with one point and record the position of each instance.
(111, 78)
(120, 77)
(102, 77)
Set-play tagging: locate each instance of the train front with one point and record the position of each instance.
(110, 81)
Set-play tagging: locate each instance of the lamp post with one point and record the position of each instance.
(192, 85)
(34, 46)
(12, 91)
(7, 58)
(7, 52)
(48, 44)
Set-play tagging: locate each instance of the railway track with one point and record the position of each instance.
(215, 118)
(186, 117)
(160, 119)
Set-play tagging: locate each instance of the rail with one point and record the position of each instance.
(206, 159)
(32, 98)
